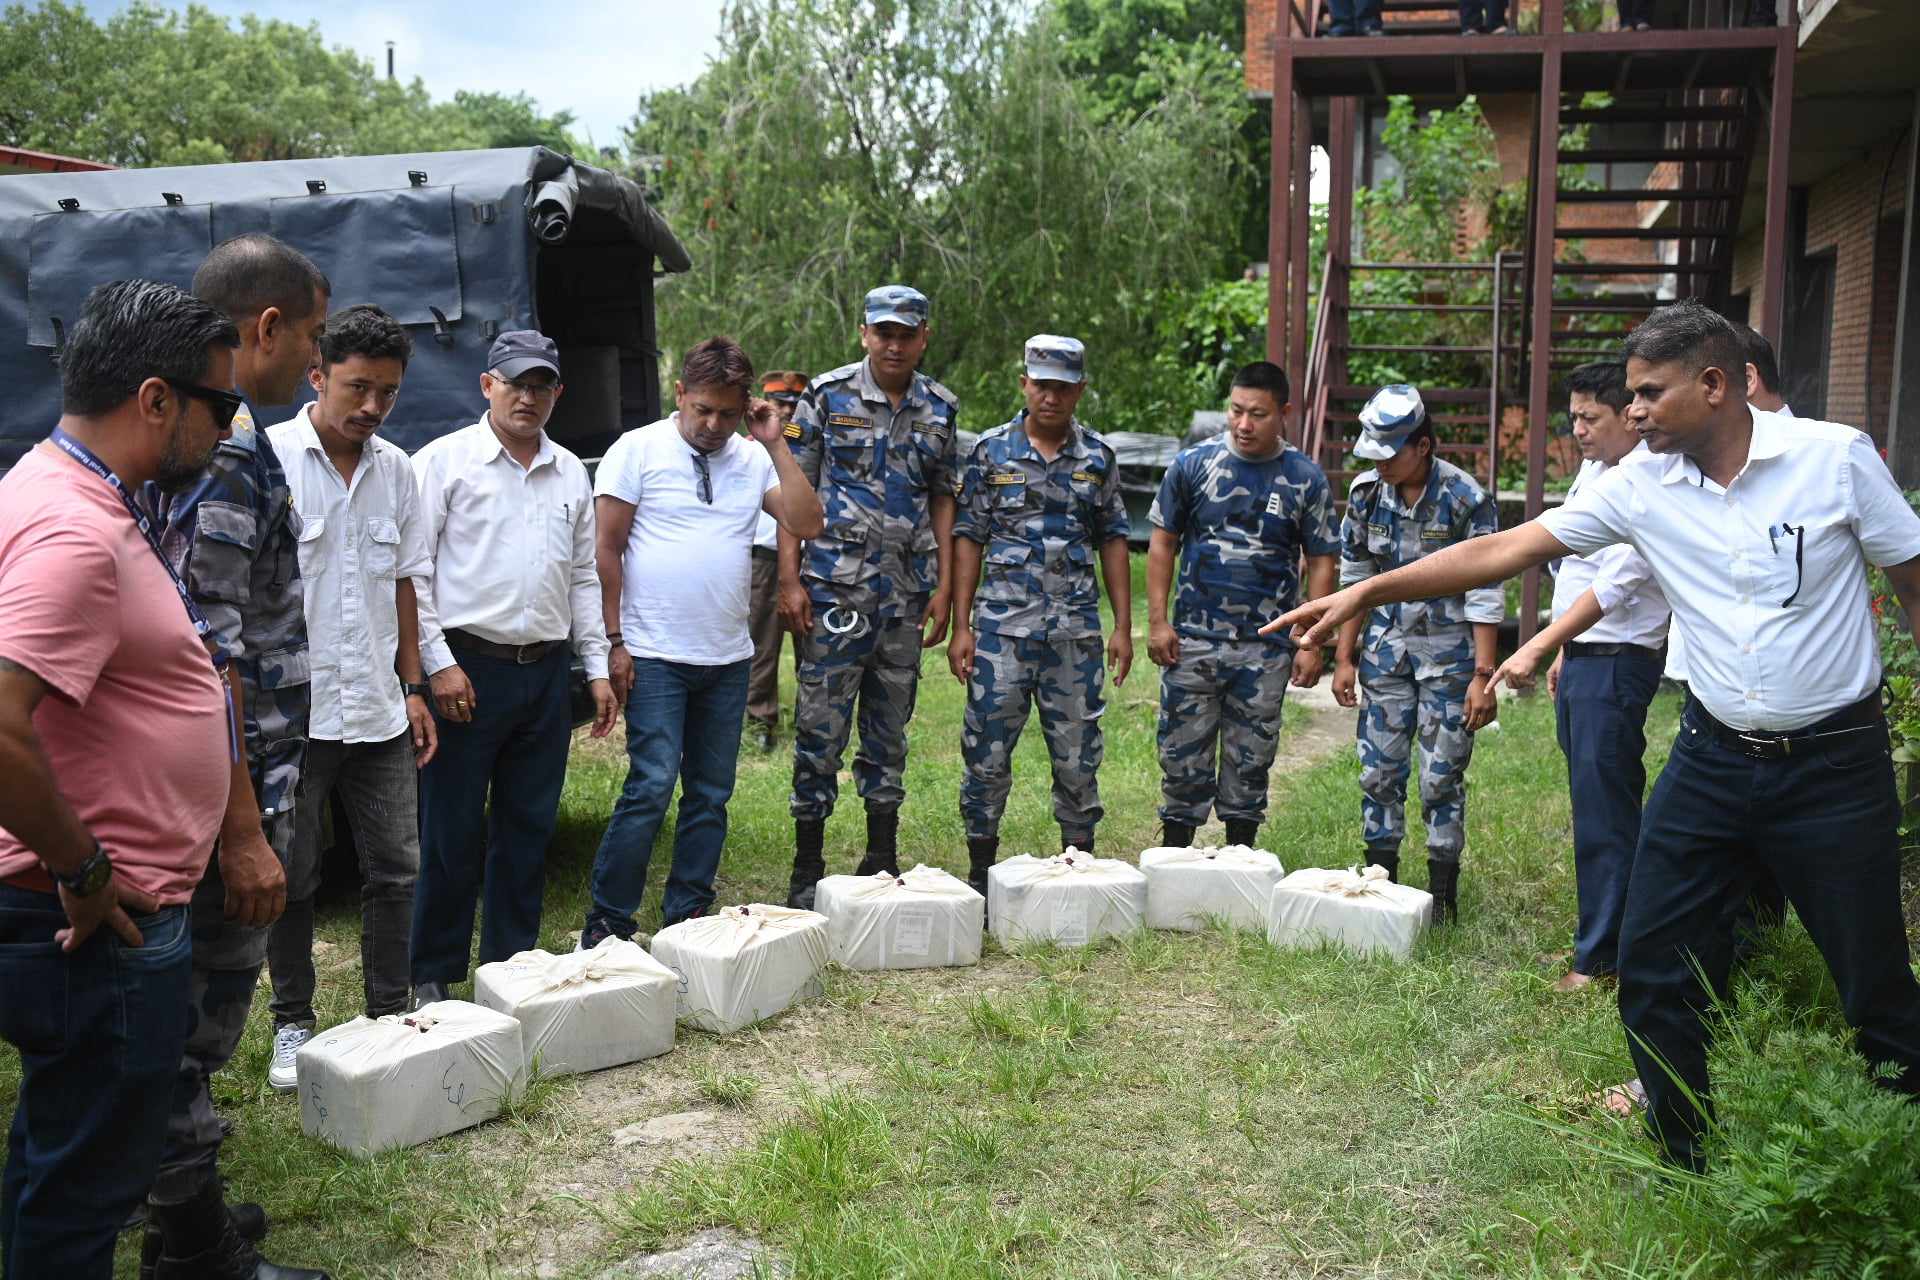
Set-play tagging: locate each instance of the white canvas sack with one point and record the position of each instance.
(1358, 909)
(585, 1010)
(919, 919)
(743, 964)
(1072, 899)
(377, 1083)
(1187, 888)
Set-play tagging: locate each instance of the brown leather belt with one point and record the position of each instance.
(523, 654)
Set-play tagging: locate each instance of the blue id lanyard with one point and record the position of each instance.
(201, 627)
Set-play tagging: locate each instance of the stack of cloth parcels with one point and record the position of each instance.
(1072, 899)
(1187, 888)
(743, 964)
(585, 1010)
(918, 919)
(1361, 909)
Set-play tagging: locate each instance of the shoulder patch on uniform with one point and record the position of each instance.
(1365, 480)
(1436, 535)
(841, 374)
(792, 431)
(940, 392)
(846, 420)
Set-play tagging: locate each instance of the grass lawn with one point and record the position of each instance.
(1167, 1105)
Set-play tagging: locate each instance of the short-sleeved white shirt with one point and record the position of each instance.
(1636, 612)
(687, 567)
(1767, 577)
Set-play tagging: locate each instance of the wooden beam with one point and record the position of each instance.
(1342, 114)
(1300, 241)
(1279, 224)
(1546, 168)
(1903, 412)
(1773, 252)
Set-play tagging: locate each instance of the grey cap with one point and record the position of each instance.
(1394, 413)
(1051, 358)
(897, 304)
(518, 350)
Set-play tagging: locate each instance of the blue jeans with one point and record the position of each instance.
(683, 722)
(1602, 721)
(100, 1032)
(1354, 17)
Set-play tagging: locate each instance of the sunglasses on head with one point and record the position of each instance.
(225, 404)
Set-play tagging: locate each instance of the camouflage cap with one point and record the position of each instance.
(1051, 358)
(897, 304)
(783, 384)
(1395, 412)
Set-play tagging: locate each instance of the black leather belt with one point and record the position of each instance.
(523, 654)
(1762, 744)
(1579, 649)
(764, 553)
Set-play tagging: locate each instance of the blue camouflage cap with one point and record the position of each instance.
(1394, 413)
(897, 304)
(1051, 358)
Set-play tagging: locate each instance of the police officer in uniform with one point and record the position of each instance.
(1238, 512)
(1039, 502)
(1422, 666)
(876, 440)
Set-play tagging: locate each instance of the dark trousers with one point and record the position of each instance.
(1635, 11)
(377, 782)
(488, 803)
(1350, 17)
(227, 957)
(1482, 15)
(763, 622)
(1824, 820)
(683, 723)
(99, 1033)
(1602, 720)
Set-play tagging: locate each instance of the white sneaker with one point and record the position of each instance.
(281, 1074)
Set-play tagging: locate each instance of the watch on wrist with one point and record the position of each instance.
(90, 877)
(1483, 673)
(418, 691)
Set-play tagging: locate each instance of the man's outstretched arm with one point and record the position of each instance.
(1472, 563)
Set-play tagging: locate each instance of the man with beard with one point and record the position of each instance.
(116, 744)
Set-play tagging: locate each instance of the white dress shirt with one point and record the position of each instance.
(1767, 577)
(1622, 581)
(358, 538)
(512, 548)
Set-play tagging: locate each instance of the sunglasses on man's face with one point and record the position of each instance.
(225, 404)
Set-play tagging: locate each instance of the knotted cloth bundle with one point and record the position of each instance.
(585, 1010)
(1357, 908)
(919, 919)
(742, 964)
(1072, 899)
(1188, 887)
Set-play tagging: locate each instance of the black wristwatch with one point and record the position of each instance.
(417, 691)
(90, 877)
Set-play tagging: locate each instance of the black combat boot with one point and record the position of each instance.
(982, 853)
(1176, 835)
(883, 843)
(200, 1241)
(1443, 882)
(1243, 831)
(809, 862)
(249, 1219)
(1083, 844)
(1388, 858)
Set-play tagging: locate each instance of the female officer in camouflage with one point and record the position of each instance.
(1423, 664)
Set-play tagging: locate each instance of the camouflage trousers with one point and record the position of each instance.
(226, 968)
(1394, 707)
(1220, 728)
(1064, 678)
(875, 666)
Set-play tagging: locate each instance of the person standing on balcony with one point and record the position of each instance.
(1636, 15)
(1355, 18)
(1483, 17)
(1422, 667)
(1238, 511)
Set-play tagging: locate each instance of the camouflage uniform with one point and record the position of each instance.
(1243, 527)
(1036, 618)
(234, 539)
(1417, 658)
(869, 573)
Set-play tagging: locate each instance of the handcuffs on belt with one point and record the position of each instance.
(852, 623)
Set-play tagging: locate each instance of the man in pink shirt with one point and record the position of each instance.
(116, 746)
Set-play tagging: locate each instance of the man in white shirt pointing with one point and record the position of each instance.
(508, 517)
(1759, 529)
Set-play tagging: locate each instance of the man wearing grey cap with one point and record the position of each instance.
(1423, 666)
(508, 521)
(876, 439)
(1039, 503)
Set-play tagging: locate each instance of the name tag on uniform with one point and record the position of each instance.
(1436, 535)
(930, 428)
(846, 420)
(1006, 477)
(1085, 475)
(1377, 527)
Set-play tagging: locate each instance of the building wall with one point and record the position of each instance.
(1843, 216)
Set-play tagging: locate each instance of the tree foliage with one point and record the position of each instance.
(149, 86)
(834, 145)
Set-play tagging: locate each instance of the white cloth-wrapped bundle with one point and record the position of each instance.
(1072, 898)
(743, 964)
(1188, 887)
(585, 1010)
(919, 919)
(1359, 909)
(377, 1083)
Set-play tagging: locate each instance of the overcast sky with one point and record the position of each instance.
(591, 57)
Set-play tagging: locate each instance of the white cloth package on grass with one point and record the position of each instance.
(584, 1010)
(377, 1083)
(1072, 898)
(919, 919)
(1186, 888)
(1359, 909)
(743, 964)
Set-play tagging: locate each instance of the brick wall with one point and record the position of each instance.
(1842, 216)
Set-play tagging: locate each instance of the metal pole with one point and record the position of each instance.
(1300, 241)
(1546, 168)
(1279, 224)
(1773, 253)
